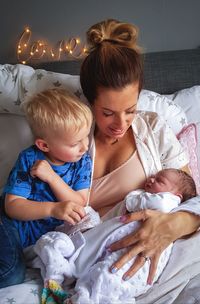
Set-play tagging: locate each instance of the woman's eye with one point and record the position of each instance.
(107, 114)
(131, 112)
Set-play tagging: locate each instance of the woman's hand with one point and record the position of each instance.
(158, 230)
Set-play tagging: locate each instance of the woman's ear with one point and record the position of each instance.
(42, 145)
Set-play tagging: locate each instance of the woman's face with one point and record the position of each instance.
(114, 110)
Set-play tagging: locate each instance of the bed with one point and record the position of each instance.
(172, 81)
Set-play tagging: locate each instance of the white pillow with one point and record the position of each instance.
(19, 82)
(41, 80)
(189, 100)
(170, 111)
(11, 89)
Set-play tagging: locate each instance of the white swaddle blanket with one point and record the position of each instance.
(90, 261)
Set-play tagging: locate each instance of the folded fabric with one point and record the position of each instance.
(56, 253)
(90, 220)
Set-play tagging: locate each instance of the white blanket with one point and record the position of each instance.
(181, 286)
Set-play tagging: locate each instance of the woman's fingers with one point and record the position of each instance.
(126, 241)
(138, 216)
(153, 268)
(138, 263)
(126, 257)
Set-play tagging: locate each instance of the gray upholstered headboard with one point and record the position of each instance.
(165, 72)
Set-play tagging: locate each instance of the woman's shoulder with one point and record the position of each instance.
(144, 120)
(147, 116)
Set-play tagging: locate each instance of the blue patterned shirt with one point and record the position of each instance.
(76, 174)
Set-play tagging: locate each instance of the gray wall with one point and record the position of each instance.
(164, 24)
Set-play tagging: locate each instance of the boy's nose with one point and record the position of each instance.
(84, 146)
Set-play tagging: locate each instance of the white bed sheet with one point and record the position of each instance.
(30, 291)
(27, 293)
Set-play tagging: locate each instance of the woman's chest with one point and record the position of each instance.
(108, 159)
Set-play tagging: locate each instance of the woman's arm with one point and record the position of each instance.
(158, 231)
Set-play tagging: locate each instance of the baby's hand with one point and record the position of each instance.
(42, 170)
(68, 211)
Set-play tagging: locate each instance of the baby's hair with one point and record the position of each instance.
(114, 59)
(55, 110)
(187, 185)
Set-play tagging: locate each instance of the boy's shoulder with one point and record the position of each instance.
(86, 158)
(85, 163)
(32, 152)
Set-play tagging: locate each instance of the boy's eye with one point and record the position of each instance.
(74, 145)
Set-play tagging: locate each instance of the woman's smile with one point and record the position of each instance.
(117, 132)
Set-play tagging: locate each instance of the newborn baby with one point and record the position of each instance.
(85, 256)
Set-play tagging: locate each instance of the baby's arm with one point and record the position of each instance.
(61, 190)
(20, 208)
(163, 201)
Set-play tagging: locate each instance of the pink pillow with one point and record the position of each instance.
(188, 139)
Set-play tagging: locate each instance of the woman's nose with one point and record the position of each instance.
(120, 121)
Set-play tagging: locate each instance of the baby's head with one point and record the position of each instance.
(174, 181)
(60, 123)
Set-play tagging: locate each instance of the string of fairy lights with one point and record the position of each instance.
(28, 50)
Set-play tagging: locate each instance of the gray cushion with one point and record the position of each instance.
(168, 72)
(165, 72)
(15, 135)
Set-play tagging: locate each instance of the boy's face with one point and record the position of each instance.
(163, 181)
(67, 147)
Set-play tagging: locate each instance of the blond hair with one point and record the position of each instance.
(54, 110)
(114, 58)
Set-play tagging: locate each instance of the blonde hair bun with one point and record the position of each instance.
(115, 32)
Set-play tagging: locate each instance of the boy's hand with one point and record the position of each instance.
(42, 170)
(68, 211)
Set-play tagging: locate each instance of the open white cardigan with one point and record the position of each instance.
(158, 148)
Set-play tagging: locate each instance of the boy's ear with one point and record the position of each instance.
(42, 145)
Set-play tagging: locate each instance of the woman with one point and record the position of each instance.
(128, 146)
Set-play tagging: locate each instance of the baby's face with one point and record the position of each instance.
(163, 181)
